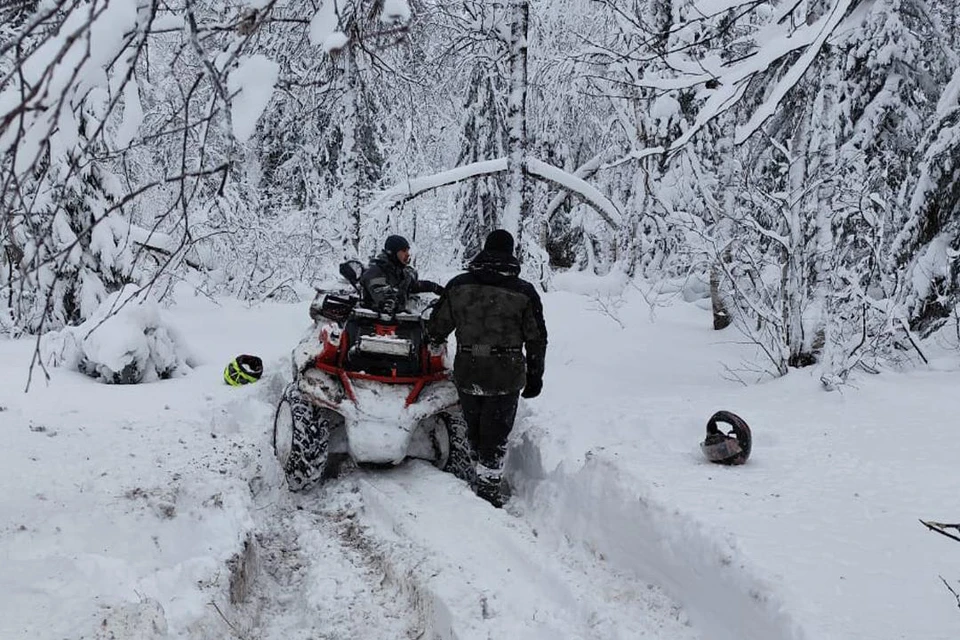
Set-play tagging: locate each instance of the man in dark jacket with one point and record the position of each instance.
(389, 280)
(501, 347)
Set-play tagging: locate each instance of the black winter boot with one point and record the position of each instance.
(490, 485)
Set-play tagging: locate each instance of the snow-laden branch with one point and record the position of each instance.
(153, 239)
(637, 154)
(584, 171)
(601, 203)
(414, 187)
(826, 26)
(774, 42)
(63, 70)
(726, 96)
(166, 245)
(713, 8)
(409, 189)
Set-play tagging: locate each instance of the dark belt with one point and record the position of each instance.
(488, 350)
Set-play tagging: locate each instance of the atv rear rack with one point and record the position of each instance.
(418, 382)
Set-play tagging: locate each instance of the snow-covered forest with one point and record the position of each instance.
(723, 204)
(794, 159)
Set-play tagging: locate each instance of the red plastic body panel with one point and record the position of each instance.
(331, 359)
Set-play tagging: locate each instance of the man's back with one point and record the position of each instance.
(501, 347)
(495, 314)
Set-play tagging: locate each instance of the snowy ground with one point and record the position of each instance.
(156, 511)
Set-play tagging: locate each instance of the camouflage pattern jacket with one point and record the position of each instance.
(387, 284)
(494, 313)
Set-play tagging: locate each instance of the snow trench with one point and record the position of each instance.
(485, 573)
(600, 506)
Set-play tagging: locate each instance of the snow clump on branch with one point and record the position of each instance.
(252, 83)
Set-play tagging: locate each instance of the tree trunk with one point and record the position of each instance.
(721, 310)
(827, 346)
(954, 24)
(721, 315)
(794, 280)
(351, 153)
(518, 189)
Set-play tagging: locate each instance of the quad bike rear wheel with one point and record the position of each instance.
(454, 454)
(301, 441)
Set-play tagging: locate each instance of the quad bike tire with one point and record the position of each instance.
(301, 441)
(454, 453)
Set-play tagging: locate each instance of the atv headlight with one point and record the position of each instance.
(386, 345)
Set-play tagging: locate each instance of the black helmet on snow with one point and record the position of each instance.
(727, 448)
(243, 369)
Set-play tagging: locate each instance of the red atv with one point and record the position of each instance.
(367, 387)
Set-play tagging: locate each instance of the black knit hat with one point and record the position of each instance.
(393, 244)
(499, 240)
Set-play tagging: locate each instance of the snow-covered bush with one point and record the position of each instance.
(126, 341)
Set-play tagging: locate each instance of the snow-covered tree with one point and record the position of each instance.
(481, 201)
(928, 244)
(772, 149)
(66, 234)
(823, 105)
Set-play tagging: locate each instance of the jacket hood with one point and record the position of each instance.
(494, 266)
(391, 265)
(385, 259)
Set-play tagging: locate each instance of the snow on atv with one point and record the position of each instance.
(366, 387)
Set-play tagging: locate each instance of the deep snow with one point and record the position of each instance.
(126, 510)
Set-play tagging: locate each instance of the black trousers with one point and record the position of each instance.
(489, 422)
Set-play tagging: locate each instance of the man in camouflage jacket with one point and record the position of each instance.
(501, 347)
(388, 280)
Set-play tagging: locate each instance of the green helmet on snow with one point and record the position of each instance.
(243, 369)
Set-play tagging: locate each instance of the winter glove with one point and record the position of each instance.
(388, 306)
(533, 387)
(432, 287)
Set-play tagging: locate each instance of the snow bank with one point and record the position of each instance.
(126, 341)
(691, 288)
(585, 283)
(610, 513)
(127, 505)
(504, 582)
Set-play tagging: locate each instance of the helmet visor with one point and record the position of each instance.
(720, 450)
